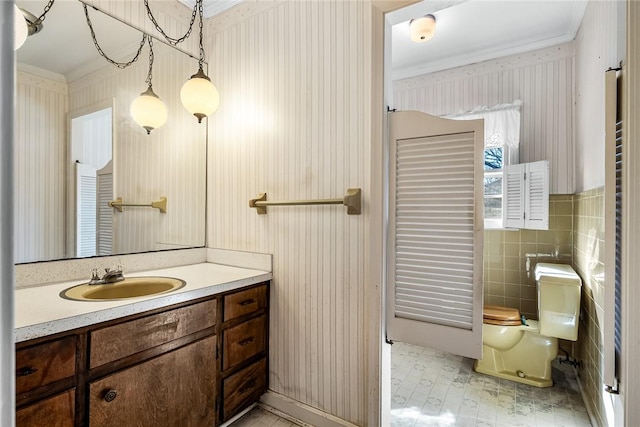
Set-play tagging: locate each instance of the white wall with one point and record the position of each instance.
(599, 46)
(295, 122)
(543, 80)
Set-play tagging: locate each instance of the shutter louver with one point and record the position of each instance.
(105, 212)
(537, 183)
(513, 196)
(434, 239)
(612, 307)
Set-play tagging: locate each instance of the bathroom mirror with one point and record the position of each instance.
(77, 147)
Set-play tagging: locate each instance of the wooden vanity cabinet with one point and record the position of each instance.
(196, 364)
(244, 349)
(55, 411)
(45, 383)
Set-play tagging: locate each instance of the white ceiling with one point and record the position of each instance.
(211, 7)
(64, 46)
(478, 30)
(468, 31)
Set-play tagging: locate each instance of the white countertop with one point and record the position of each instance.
(41, 311)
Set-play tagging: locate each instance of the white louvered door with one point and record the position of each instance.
(86, 210)
(434, 293)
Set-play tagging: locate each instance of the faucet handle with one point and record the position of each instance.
(94, 273)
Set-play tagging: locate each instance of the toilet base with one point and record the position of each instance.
(528, 362)
(513, 376)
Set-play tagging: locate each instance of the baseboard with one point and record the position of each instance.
(300, 413)
(238, 416)
(587, 405)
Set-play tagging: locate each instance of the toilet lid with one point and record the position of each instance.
(506, 316)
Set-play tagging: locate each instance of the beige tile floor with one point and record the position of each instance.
(258, 417)
(431, 388)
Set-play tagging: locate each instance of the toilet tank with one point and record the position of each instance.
(558, 300)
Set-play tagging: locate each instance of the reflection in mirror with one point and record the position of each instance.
(77, 147)
(91, 147)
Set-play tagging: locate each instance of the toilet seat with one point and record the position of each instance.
(501, 316)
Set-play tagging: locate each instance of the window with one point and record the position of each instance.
(494, 162)
(501, 141)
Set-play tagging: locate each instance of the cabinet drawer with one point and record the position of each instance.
(243, 341)
(56, 411)
(45, 363)
(118, 341)
(244, 387)
(245, 302)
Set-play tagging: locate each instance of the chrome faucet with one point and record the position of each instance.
(110, 276)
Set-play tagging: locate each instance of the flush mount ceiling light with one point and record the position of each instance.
(148, 110)
(422, 29)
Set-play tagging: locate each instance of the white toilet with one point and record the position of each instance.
(523, 352)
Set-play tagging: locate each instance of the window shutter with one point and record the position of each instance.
(513, 196)
(526, 196)
(537, 190)
(436, 208)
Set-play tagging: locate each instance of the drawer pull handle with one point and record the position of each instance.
(247, 302)
(246, 341)
(110, 395)
(248, 386)
(23, 372)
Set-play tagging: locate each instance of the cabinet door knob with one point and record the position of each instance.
(27, 370)
(248, 386)
(110, 395)
(246, 341)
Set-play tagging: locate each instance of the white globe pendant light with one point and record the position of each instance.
(20, 28)
(149, 111)
(199, 96)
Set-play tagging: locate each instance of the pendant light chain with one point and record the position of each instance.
(200, 14)
(149, 76)
(172, 40)
(46, 10)
(120, 65)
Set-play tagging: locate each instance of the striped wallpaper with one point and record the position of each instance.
(39, 162)
(599, 46)
(542, 79)
(295, 122)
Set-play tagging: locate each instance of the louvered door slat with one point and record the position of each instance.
(424, 273)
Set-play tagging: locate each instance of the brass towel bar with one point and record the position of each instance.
(352, 200)
(160, 204)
